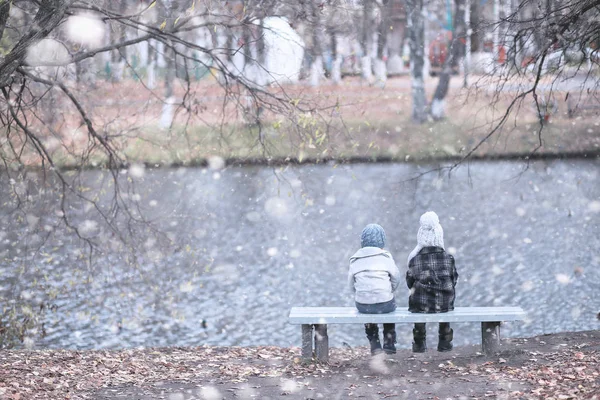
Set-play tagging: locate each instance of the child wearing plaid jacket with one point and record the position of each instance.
(431, 278)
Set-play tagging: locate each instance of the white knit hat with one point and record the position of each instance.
(430, 233)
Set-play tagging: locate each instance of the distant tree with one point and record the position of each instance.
(383, 31)
(557, 39)
(416, 40)
(456, 50)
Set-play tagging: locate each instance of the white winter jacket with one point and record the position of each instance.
(373, 276)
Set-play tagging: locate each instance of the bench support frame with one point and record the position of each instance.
(490, 340)
(321, 342)
(307, 344)
(490, 337)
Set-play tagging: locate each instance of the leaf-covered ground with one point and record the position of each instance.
(355, 122)
(558, 366)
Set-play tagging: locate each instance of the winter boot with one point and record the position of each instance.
(420, 339)
(372, 332)
(389, 339)
(445, 340)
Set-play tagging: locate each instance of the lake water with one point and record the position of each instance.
(237, 248)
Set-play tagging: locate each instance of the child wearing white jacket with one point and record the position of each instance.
(373, 276)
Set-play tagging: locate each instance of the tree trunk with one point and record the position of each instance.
(249, 67)
(151, 68)
(247, 44)
(416, 35)
(261, 55)
(382, 34)
(477, 25)
(118, 56)
(467, 58)
(170, 71)
(496, 32)
(4, 13)
(366, 41)
(336, 68)
(86, 72)
(316, 67)
(396, 36)
(167, 115)
(455, 52)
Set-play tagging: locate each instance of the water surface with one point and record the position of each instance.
(251, 242)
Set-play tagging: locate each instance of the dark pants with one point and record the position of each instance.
(372, 330)
(420, 331)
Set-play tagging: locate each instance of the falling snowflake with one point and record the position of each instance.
(563, 278)
(496, 270)
(289, 386)
(88, 226)
(527, 286)
(330, 200)
(594, 206)
(210, 393)
(32, 220)
(28, 343)
(137, 170)
(216, 163)
(253, 216)
(186, 287)
(272, 251)
(276, 207)
(114, 328)
(47, 52)
(85, 29)
(377, 365)
(437, 184)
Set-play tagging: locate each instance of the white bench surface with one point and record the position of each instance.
(350, 315)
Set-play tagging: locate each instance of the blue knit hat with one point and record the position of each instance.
(372, 236)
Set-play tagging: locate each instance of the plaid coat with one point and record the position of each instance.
(431, 278)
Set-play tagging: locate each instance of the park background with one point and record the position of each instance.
(182, 173)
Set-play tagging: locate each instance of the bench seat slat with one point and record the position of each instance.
(346, 309)
(350, 315)
(352, 310)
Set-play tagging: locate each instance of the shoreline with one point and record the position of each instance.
(294, 161)
(546, 366)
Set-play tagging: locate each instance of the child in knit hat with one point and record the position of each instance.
(431, 278)
(373, 276)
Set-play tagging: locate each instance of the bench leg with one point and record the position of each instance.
(307, 347)
(322, 343)
(490, 337)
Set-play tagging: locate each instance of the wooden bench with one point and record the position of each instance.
(319, 317)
